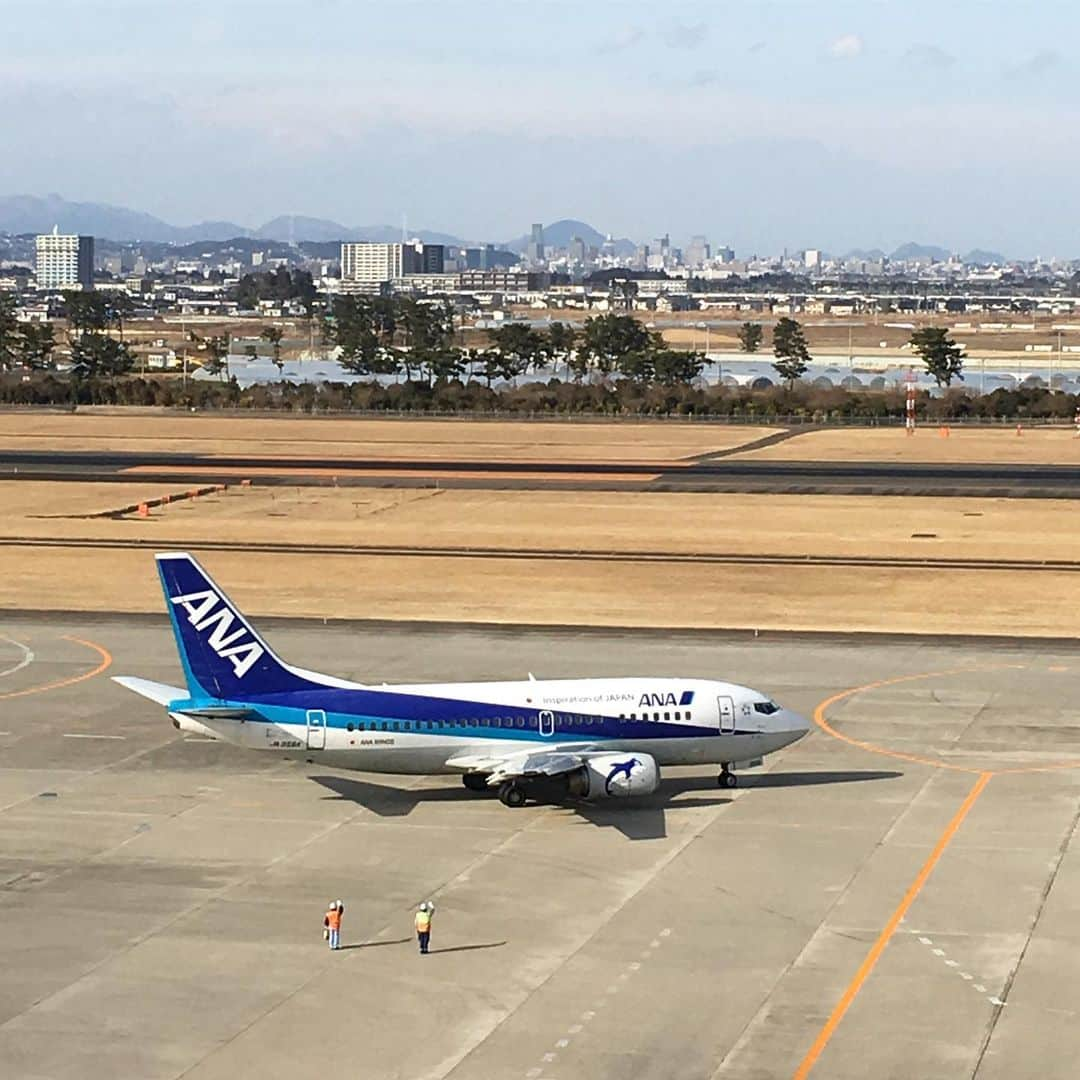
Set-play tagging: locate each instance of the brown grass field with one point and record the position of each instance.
(547, 591)
(387, 439)
(1033, 446)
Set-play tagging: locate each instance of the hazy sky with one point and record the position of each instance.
(821, 123)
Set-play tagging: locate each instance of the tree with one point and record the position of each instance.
(216, 361)
(98, 355)
(274, 334)
(36, 344)
(519, 347)
(789, 347)
(561, 339)
(606, 339)
(750, 335)
(86, 311)
(942, 356)
(9, 332)
(674, 366)
(444, 365)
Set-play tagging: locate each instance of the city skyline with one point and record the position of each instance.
(783, 124)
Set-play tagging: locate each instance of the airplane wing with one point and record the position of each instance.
(551, 761)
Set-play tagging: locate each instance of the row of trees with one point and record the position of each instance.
(388, 335)
(941, 356)
(555, 397)
(90, 317)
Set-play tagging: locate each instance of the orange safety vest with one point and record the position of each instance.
(333, 919)
(423, 921)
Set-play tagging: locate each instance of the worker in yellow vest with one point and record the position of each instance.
(423, 924)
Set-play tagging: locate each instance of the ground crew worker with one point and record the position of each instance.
(423, 925)
(332, 922)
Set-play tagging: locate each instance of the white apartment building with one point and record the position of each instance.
(369, 266)
(65, 262)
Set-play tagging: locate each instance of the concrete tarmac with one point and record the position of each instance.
(894, 897)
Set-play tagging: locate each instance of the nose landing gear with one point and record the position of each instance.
(727, 779)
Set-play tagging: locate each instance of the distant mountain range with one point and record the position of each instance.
(926, 253)
(32, 214)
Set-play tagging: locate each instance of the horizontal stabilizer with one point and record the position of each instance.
(155, 691)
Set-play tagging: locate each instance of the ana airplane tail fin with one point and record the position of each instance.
(222, 655)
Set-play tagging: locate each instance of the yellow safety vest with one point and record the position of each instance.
(423, 921)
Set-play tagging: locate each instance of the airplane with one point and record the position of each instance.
(548, 740)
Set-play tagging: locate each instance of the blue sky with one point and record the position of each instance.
(762, 124)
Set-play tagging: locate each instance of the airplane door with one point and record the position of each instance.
(546, 723)
(727, 715)
(316, 729)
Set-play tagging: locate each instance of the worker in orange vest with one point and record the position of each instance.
(332, 923)
(423, 925)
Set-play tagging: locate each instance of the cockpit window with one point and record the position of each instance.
(766, 707)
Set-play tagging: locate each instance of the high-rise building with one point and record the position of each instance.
(65, 262)
(536, 244)
(368, 267)
(698, 253)
(577, 250)
(811, 258)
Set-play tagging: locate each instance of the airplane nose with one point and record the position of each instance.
(797, 725)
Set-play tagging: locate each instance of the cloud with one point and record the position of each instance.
(625, 38)
(703, 78)
(928, 57)
(684, 35)
(1034, 66)
(846, 46)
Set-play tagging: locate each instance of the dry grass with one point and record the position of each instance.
(597, 594)
(1035, 446)
(428, 440)
(562, 521)
(585, 592)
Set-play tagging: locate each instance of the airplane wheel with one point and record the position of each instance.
(475, 781)
(727, 779)
(512, 795)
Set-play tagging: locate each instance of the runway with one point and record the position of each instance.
(893, 896)
(709, 473)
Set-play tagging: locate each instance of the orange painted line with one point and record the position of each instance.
(878, 948)
(819, 719)
(106, 661)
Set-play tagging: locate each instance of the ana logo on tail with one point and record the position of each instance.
(205, 610)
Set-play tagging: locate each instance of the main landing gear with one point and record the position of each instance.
(512, 795)
(727, 779)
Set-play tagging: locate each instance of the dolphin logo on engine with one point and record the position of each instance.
(621, 768)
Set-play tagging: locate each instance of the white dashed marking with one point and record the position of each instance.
(562, 1044)
(666, 932)
(550, 1057)
(534, 1072)
(574, 1029)
(81, 735)
(655, 943)
(588, 1014)
(979, 987)
(635, 966)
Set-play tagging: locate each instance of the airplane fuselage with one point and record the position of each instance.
(418, 729)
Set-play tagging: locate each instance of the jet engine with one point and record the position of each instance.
(615, 776)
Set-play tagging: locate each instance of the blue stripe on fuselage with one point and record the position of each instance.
(455, 717)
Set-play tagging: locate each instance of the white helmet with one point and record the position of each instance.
(338, 903)
(423, 906)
